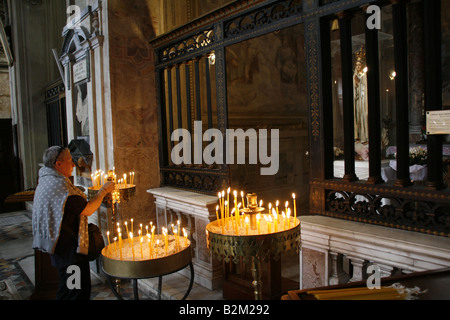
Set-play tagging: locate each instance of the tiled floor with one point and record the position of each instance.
(17, 268)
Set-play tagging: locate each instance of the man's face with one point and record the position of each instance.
(64, 163)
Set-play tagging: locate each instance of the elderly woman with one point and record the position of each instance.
(59, 220)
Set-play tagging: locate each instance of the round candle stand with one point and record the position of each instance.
(133, 270)
(252, 248)
(122, 193)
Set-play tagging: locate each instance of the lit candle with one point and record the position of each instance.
(142, 254)
(217, 215)
(236, 211)
(239, 214)
(115, 246)
(243, 202)
(120, 245)
(131, 243)
(258, 217)
(247, 221)
(275, 218)
(269, 220)
(140, 225)
(166, 241)
(289, 217)
(276, 205)
(222, 223)
(223, 206)
(153, 235)
(125, 179)
(132, 231)
(227, 204)
(178, 233)
(149, 246)
(126, 226)
(284, 219)
(295, 208)
(226, 214)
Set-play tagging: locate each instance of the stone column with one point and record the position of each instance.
(358, 265)
(338, 275)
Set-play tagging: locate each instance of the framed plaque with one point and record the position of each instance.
(438, 122)
(80, 71)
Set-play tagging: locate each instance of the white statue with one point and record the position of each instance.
(360, 105)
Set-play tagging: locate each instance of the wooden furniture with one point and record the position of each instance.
(46, 277)
(435, 282)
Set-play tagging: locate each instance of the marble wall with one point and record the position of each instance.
(5, 96)
(133, 101)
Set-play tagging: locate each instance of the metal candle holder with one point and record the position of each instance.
(252, 248)
(121, 193)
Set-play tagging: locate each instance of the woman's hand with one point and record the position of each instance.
(95, 203)
(108, 187)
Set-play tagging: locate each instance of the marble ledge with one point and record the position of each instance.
(182, 198)
(407, 248)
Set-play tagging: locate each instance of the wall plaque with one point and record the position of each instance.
(438, 122)
(80, 71)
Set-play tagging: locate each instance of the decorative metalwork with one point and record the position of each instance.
(254, 249)
(313, 77)
(263, 17)
(409, 208)
(409, 214)
(188, 45)
(207, 181)
(264, 246)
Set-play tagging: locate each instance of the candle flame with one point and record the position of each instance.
(293, 195)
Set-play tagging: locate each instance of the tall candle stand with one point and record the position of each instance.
(122, 193)
(253, 246)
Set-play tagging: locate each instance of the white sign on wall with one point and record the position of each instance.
(80, 71)
(438, 122)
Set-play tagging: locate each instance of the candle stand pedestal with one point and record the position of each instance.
(142, 269)
(252, 248)
(122, 193)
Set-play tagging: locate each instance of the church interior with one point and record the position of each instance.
(260, 149)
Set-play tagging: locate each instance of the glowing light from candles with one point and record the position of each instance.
(295, 207)
(247, 221)
(258, 217)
